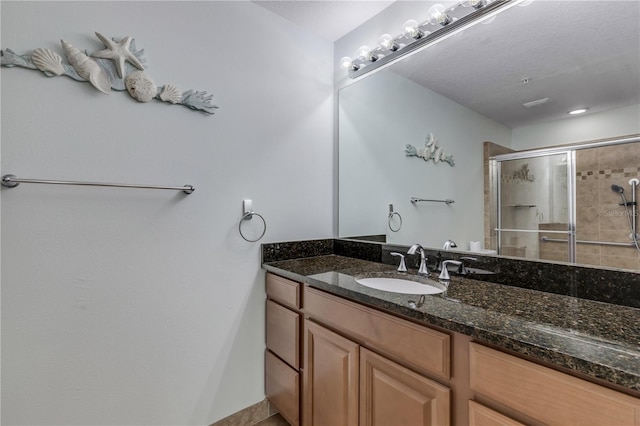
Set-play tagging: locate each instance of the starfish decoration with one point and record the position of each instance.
(118, 52)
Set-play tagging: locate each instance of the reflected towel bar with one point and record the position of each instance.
(447, 201)
(601, 243)
(11, 181)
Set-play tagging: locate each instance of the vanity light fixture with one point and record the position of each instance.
(477, 4)
(441, 23)
(386, 42)
(578, 111)
(348, 64)
(410, 30)
(438, 15)
(365, 54)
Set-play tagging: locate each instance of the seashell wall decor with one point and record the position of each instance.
(87, 68)
(140, 86)
(431, 151)
(47, 61)
(119, 67)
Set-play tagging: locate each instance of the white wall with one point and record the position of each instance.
(607, 124)
(378, 117)
(146, 307)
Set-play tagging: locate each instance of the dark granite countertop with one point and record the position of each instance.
(597, 339)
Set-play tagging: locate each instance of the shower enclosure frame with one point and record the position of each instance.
(495, 190)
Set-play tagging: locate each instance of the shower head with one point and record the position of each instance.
(617, 188)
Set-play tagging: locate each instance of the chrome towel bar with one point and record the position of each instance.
(447, 201)
(11, 181)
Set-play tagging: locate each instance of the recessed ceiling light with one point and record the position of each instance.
(578, 111)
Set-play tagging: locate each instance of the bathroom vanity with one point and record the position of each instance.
(340, 353)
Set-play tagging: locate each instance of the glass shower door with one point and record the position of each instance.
(534, 208)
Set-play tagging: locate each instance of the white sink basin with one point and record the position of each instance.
(399, 285)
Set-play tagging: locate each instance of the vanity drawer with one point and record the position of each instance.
(282, 388)
(479, 415)
(416, 346)
(548, 395)
(283, 333)
(284, 291)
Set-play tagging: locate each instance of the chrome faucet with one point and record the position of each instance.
(449, 244)
(423, 270)
(444, 275)
(402, 267)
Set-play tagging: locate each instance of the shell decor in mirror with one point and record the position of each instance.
(523, 174)
(431, 151)
(119, 67)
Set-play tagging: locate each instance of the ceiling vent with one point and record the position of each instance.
(537, 103)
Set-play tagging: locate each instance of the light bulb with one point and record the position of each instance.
(438, 15)
(347, 64)
(578, 111)
(410, 29)
(386, 42)
(365, 54)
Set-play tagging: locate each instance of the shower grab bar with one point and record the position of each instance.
(601, 243)
(11, 181)
(447, 201)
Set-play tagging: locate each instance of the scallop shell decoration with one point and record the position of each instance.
(140, 86)
(87, 68)
(170, 93)
(47, 61)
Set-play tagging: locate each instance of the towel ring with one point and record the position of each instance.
(391, 215)
(249, 216)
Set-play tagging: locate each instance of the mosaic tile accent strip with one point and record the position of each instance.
(608, 173)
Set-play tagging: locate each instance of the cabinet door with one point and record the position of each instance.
(395, 396)
(330, 375)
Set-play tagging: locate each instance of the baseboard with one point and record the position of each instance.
(249, 416)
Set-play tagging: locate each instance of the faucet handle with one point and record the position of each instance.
(461, 268)
(402, 267)
(444, 275)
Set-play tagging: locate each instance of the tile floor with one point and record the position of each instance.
(275, 420)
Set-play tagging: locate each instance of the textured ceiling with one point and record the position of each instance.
(577, 53)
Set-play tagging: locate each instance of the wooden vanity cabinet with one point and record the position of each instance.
(283, 354)
(544, 395)
(337, 362)
(346, 383)
(420, 348)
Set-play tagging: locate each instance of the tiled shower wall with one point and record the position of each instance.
(599, 216)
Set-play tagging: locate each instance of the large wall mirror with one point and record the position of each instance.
(510, 82)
